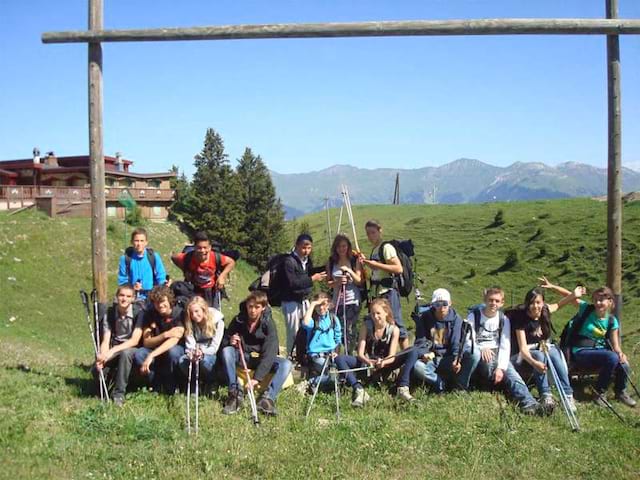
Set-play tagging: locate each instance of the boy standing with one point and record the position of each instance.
(385, 265)
(163, 329)
(140, 266)
(121, 333)
(440, 352)
(201, 268)
(254, 330)
(491, 334)
(297, 282)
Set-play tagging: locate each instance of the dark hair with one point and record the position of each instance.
(334, 257)
(545, 316)
(200, 237)
(373, 224)
(304, 237)
(257, 296)
(138, 231)
(604, 292)
(160, 292)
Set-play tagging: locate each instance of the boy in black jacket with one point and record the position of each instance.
(297, 280)
(254, 329)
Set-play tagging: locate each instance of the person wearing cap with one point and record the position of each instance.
(441, 361)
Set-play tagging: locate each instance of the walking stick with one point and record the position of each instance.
(344, 318)
(189, 397)
(607, 404)
(101, 380)
(197, 393)
(334, 371)
(317, 387)
(626, 373)
(573, 420)
(96, 321)
(252, 398)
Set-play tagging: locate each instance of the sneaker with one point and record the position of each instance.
(404, 394)
(571, 403)
(624, 397)
(360, 397)
(118, 401)
(548, 403)
(233, 403)
(303, 387)
(267, 406)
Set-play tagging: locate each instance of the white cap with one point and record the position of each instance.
(441, 295)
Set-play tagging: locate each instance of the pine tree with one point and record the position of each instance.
(216, 196)
(264, 221)
(182, 198)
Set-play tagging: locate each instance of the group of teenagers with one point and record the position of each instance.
(148, 334)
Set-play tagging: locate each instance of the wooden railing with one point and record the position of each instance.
(24, 192)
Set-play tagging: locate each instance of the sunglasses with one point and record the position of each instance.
(440, 304)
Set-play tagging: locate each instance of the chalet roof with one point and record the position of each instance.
(7, 173)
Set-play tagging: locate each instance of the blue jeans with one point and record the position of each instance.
(393, 297)
(439, 371)
(542, 379)
(280, 368)
(607, 363)
(346, 362)
(512, 380)
(315, 369)
(206, 365)
(164, 369)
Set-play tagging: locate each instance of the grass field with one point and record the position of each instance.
(50, 427)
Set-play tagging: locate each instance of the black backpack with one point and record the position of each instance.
(151, 256)
(270, 281)
(570, 336)
(404, 281)
(303, 338)
(183, 292)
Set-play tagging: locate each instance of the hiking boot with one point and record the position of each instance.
(624, 397)
(533, 409)
(571, 403)
(404, 394)
(303, 387)
(233, 403)
(360, 397)
(548, 403)
(118, 400)
(599, 399)
(267, 406)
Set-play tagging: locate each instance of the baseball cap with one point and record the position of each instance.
(441, 295)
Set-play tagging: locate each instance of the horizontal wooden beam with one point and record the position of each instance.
(503, 26)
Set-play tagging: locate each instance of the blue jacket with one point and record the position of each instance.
(141, 270)
(323, 339)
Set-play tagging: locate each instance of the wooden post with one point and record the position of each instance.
(614, 182)
(96, 155)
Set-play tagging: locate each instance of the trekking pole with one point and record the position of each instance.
(197, 394)
(607, 404)
(340, 217)
(189, 397)
(101, 380)
(626, 373)
(344, 318)
(96, 331)
(350, 214)
(564, 401)
(336, 387)
(252, 398)
(369, 367)
(317, 387)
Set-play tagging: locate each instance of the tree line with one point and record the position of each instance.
(238, 207)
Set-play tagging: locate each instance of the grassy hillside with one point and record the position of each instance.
(50, 427)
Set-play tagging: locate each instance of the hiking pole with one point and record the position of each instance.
(189, 397)
(101, 380)
(252, 398)
(564, 401)
(340, 217)
(602, 397)
(344, 318)
(350, 215)
(197, 393)
(336, 387)
(317, 387)
(369, 367)
(94, 302)
(626, 373)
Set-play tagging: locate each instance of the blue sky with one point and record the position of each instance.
(311, 103)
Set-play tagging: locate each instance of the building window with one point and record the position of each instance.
(156, 211)
(154, 183)
(112, 211)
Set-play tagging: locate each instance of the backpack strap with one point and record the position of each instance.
(151, 256)
(575, 328)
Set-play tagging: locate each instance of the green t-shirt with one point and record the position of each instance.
(595, 328)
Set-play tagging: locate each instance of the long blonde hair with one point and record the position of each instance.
(209, 325)
(386, 306)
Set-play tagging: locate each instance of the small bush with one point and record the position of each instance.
(134, 217)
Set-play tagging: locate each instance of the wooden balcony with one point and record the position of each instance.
(31, 192)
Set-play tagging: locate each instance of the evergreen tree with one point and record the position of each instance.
(216, 197)
(182, 198)
(264, 221)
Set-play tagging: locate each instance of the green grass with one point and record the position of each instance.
(50, 427)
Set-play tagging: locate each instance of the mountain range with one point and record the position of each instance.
(461, 181)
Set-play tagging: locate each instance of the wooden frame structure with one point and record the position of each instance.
(611, 26)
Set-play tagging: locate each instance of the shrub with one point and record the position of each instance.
(134, 216)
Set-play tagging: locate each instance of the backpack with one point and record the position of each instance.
(270, 281)
(570, 332)
(217, 251)
(404, 281)
(183, 292)
(303, 339)
(151, 256)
